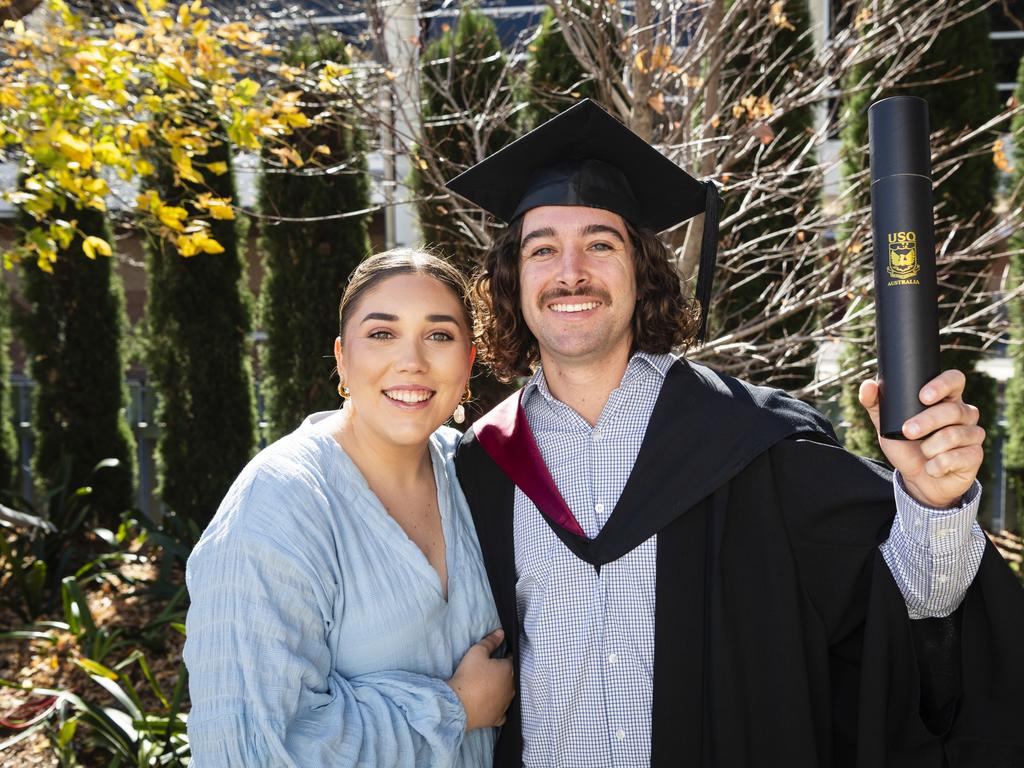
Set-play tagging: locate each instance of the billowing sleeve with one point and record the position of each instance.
(263, 689)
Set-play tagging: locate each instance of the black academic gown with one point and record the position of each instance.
(781, 637)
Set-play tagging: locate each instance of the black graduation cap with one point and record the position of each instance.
(586, 157)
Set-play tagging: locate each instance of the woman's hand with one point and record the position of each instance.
(484, 685)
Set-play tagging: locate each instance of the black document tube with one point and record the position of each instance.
(906, 297)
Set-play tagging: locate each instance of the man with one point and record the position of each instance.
(688, 569)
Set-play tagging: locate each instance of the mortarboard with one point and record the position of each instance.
(586, 157)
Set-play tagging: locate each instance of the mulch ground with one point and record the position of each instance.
(115, 603)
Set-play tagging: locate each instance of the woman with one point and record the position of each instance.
(338, 595)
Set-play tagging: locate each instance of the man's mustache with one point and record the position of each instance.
(597, 294)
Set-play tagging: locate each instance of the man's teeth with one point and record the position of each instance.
(574, 307)
(408, 397)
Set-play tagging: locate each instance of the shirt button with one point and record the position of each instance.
(942, 578)
(620, 734)
(599, 508)
(612, 658)
(596, 435)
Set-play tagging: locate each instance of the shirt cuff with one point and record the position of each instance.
(942, 531)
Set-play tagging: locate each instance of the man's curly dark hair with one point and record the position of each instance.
(663, 319)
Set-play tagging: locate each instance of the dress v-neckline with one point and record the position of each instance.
(417, 558)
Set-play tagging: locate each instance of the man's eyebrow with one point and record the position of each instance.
(380, 316)
(542, 232)
(596, 229)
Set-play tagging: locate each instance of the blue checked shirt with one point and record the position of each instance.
(587, 642)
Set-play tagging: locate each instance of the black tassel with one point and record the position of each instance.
(708, 257)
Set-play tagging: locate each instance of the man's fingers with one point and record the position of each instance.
(948, 384)
(959, 460)
(950, 438)
(868, 394)
(492, 641)
(945, 414)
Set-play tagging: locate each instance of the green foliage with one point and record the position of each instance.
(859, 436)
(461, 70)
(554, 77)
(307, 263)
(8, 440)
(1014, 451)
(73, 330)
(40, 546)
(198, 319)
(129, 731)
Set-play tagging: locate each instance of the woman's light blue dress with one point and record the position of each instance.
(318, 635)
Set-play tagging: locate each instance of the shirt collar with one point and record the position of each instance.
(641, 365)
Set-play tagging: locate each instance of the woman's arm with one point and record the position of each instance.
(261, 680)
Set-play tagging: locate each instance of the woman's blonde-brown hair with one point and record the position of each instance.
(663, 318)
(403, 261)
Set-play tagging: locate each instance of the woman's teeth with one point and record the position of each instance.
(407, 396)
(574, 307)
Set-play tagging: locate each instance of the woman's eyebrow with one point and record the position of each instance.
(384, 316)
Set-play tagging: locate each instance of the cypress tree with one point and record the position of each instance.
(307, 263)
(554, 77)
(462, 68)
(859, 435)
(1014, 452)
(73, 331)
(8, 440)
(198, 319)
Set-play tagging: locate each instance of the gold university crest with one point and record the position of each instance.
(903, 263)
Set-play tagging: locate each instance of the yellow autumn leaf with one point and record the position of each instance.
(777, 15)
(172, 216)
(286, 155)
(8, 98)
(321, 149)
(638, 62)
(999, 157)
(144, 168)
(219, 167)
(246, 88)
(75, 149)
(183, 165)
(107, 152)
(209, 245)
(295, 120)
(661, 56)
(219, 207)
(93, 245)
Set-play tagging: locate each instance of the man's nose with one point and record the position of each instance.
(571, 267)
